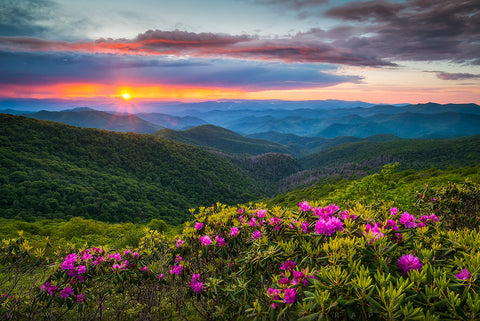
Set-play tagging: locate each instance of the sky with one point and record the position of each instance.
(378, 51)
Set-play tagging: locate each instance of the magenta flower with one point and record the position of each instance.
(346, 215)
(463, 275)
(305, 225)
(256, 235)
(176, 269)
(393, 211)
(178, 258)
(81, 269)
(261, 213)
(179, 242)
(253, 222)
(205, 240)
(408, 220)
(289, 296)
(65, 293)
(328, 226)
(198, 226)
(70, 260)
(220, 241)
(326, 212)
(234, 231)
(135, 255)
(144, 269)
(160, 276)
(241, 211)
(116, 256)
(116, 266)
(127, 252)
(288, 265)
(50, 289)
(373, 233)
(80, 298)
(409, 262)
(196, 285)
(304, 206)
(273, 293)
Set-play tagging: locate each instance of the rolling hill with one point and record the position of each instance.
(98, 119)
(53, 170)
(221, 139)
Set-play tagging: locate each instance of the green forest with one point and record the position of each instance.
(99, 225)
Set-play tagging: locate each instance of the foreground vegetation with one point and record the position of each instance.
(317, 261)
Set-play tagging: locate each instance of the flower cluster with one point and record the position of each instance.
(196, 285)
(409, 262)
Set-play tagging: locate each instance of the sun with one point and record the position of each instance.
(126, 96)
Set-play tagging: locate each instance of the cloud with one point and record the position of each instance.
(414, 29)
(300, 48)
(39, 68)
(455, 76)
(24, 17)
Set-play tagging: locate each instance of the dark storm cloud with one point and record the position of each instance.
(60, 67)
(415, 29)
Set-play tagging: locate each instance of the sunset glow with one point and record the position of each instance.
(300, 50)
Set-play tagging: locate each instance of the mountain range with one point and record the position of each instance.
(324, 119)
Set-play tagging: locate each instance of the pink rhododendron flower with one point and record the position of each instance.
(144, 269)
(346, 215)
(253, 222)
(116, 256)
(198, 226)
(257, 235)
(288, 265)
(373, 233)
(328, 226)
(463, 275)
(305, 225)
(160, 276)
(127, 252)
(391, 224)
(50, 289)
(408, 220)
(135, 254)
(65, 293)
(289, 296)
(220, 241)
(176, 269)
(196, 285)
(179, 243)
(393, 211)
(241, 211)
(234, 231)
(116, 266)
(178, 258)
(80, 298)
(205, 240)
(409, 262)
(261, 213)
(326, 212)
(70, 260)
(81, 269)
(304, 206)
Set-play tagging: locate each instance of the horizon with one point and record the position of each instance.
(379, 51)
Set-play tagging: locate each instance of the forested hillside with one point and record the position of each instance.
(52, 170)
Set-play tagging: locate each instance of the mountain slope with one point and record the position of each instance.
(54, 170)
(411, 153)
(222, 139)
(172, 122)
(98, 119)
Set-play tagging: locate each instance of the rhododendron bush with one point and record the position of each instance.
(315, 262)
